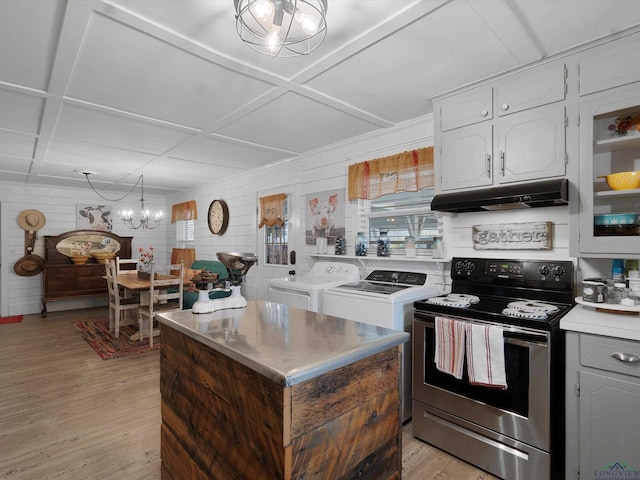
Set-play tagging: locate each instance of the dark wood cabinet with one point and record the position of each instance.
(63, 279)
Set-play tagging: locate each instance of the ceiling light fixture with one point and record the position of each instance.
(147, 220)
(285, 28)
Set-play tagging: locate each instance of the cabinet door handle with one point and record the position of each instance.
(488, 165)
(505, 106)
(502, 163)
(625, 357)
(484, 113)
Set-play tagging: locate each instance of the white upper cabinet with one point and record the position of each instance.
(610, 65)
(524, 141)
(466, 109)
(530, 89)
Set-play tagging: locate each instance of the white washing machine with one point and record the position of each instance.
(385, 299)
(305, 291)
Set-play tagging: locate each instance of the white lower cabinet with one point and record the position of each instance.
(602, 407)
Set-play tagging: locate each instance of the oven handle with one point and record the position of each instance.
(525, 338)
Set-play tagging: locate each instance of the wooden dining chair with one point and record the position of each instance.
(165, 295)
(119, 305)
(125, 262)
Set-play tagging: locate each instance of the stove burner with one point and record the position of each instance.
(533, 306)
(524, 313)
(449, 302)
(464, 297)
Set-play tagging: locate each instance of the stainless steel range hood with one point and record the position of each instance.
(547, 193)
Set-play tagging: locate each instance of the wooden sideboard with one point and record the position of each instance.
(64, 280)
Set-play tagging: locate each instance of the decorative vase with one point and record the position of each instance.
(361, 245)
(384, 248)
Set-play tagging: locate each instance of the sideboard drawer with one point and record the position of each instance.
(91, 271)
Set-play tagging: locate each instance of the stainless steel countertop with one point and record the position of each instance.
(285, 344)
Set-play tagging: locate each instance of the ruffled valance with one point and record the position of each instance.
(407, 171)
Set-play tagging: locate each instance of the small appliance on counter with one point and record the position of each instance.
(237, 264)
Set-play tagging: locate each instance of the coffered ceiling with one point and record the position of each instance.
(166, 87)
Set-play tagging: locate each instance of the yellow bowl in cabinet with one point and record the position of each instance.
(623, 180)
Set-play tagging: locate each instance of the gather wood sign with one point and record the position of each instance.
(513, 236)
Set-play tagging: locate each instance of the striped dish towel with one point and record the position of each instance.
(485, 356)
(449, 354)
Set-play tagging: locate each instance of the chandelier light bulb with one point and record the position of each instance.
(262, 9)
(273, 40)
(309, 25)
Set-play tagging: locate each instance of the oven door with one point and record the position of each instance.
(521, 412)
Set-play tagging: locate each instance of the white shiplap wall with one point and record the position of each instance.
(22, 295)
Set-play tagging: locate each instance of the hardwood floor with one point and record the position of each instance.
(67, 414)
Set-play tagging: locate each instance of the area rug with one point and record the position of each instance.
(13, 319)
(97, 335)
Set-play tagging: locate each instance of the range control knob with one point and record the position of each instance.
(558, 271)
(330, 269)
(543, 270)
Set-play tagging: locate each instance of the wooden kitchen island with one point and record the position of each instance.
(272, 392)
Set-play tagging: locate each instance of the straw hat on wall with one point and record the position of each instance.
(31, 220)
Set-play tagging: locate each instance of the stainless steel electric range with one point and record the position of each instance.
(513, 433)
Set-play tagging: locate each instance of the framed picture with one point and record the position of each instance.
(94, 217)
(325, 212)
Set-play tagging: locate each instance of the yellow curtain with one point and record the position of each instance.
(406, 171)
(272, 210)
(184, 211)
(185, 256)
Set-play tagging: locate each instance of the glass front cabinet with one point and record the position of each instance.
(609, 143)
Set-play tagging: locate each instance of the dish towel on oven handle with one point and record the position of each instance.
(449, 354)
(485, 356)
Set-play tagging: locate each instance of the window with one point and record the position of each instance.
(185, 233)
(400, 214)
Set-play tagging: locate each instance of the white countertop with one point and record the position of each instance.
(586, 319)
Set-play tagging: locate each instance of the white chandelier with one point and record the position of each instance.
(285, 28)
(147, 219)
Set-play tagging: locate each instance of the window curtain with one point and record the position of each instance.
(185, 256)
(272, 210)
(406, 172)
(184, 211)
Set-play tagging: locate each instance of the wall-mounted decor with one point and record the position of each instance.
(513, 236)
(325, 216)
(94, 217)
(218, 217)
(30, 264)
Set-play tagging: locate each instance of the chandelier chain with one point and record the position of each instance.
(112, 199)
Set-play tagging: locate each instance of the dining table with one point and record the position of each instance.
(130, 281)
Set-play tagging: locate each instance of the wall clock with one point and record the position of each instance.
(218, 217)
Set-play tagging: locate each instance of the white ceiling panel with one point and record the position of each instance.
(29, 33)
(115, 130)
(20, 112)
(124, 68)
(17, 145)
(167, 88)
(215, 151)
(285, 123)
(13, 165)
(87, 156)
(563, 25)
